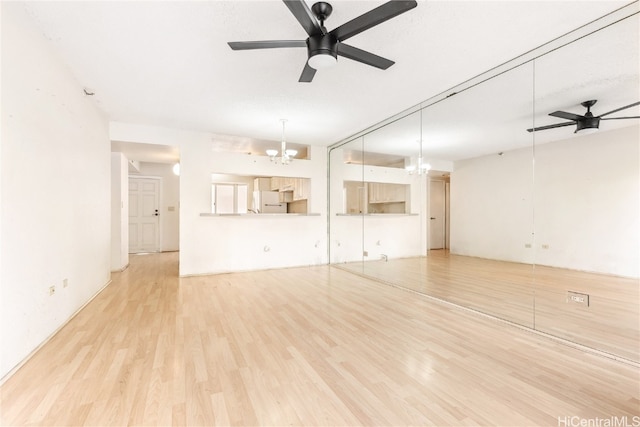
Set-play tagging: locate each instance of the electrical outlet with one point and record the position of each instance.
(365, 253)
(527, 245)
(52, 290)
(578, 298)
(65, 283)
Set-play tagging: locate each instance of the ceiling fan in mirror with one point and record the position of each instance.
(324, 47)
(586, 121)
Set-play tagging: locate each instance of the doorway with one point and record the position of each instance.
(144, 213)
(438, 227)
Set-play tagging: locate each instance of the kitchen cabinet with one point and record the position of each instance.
(291, 189)
(380, 192)
(276, 183)
(301, 189)
(262, 184)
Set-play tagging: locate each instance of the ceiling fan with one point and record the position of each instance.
(588, 121)
(323, 47)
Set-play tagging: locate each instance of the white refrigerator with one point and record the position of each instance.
(268, 202)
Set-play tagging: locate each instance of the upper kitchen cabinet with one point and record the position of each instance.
(291, 189)
(381, 192)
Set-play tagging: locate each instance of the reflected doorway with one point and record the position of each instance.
(438, 226)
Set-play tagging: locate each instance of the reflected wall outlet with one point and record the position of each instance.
(578, 298)
(545, 246)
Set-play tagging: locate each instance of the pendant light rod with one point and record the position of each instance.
(283, 140)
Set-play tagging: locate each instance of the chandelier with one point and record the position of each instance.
(286, 155)
(420, 166)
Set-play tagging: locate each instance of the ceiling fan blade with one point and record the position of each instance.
(620, 109)
(372, 18)
(558, 125)
(565, 115)
(307, 74)
(363, 56)
(305, 17)
(620, 118)
(267, 44)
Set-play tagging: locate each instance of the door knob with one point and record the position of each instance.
(433, 217)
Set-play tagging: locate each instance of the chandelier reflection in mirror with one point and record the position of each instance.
(287, 155)
(420, 166)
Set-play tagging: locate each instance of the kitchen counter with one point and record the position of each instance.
(258, 215)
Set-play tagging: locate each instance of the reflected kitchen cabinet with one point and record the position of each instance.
(375, 198)
(380, 192)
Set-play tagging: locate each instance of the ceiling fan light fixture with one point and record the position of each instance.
(322, 60)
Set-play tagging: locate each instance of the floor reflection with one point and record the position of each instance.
(533, 296)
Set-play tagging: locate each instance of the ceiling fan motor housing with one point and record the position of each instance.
(589, 122)
(324, 44)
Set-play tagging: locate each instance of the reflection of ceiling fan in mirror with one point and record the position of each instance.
(588, 121)
(323, 47)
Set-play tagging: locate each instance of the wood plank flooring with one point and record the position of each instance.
(532, 296)
(301, 346)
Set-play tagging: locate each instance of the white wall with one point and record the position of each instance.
(119, 212)
(222, 244)
(584, 204)
(56, 191)
(169, 199)
(587, 202)
(492, 206)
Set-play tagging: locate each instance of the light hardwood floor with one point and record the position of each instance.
(302, 346)
(532, 296)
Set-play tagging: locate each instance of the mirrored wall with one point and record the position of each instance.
(488, 197)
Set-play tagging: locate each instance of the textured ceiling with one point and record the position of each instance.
(168, 63)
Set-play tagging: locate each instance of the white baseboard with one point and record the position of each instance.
(120, 270)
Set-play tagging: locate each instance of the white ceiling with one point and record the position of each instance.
(167, 63)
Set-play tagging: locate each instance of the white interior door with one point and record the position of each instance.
(144, 211)
(436, 214)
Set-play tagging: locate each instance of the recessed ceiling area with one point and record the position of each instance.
(168, 63)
